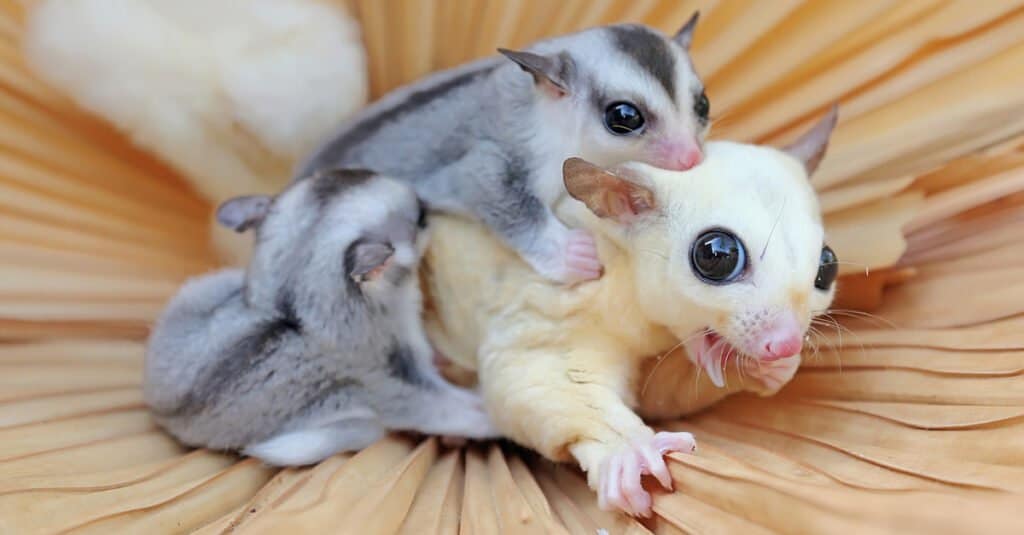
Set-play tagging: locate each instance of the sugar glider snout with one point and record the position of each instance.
(678, 156)
(779, 338)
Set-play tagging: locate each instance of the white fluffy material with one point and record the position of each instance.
(230, 92)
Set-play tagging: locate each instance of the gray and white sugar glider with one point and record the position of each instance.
(318, 347)
(488, 139)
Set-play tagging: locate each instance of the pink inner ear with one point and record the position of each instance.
(619, 205)
(551, 89)
(640, 204)
(376, 272)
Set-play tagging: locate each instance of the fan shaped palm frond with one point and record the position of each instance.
(909, 417)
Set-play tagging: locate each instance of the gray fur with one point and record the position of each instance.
(317, 347)
(555, 69)
(684, 37)
(242, 213)
(650, 50)
(471, 139)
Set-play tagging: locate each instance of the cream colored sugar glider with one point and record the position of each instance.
(728, 257)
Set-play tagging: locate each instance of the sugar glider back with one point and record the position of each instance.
(318, 347)
(487, 139)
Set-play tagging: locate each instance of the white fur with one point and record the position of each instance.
(314, 445)
(231, 93)
(559, 366)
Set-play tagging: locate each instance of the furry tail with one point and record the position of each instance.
(181, 343)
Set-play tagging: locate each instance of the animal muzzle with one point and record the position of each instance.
(678, 157)
(779, 339)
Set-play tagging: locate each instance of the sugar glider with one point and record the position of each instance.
(488, 139)
(319, 346)
(728, 258)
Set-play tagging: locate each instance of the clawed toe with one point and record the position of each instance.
(620, 482)
(681, 442)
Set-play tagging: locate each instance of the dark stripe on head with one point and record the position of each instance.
(327, 185)
(650, 50)
(402, 365)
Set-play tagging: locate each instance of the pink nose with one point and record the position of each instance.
(678, 157)
(684, 159)
(782, 348)
(782, 339)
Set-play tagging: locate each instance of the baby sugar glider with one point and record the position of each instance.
(488, 139)
(728, 259)
(318, 347)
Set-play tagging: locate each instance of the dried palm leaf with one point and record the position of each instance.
(910, 419)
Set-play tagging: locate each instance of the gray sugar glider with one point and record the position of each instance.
(487, 139)
(318, 347)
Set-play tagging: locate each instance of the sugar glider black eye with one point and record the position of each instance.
(718, 257)
(623, 118)
(702, 106)
(828, 269)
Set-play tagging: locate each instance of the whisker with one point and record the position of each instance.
(817, 347)
(812, 330)
(661, 358)
(725, 364)
(821, 335)
(860, 314)
(839, 331)
(772, 231)
(722, 118)
(741, 364)
(840, 328)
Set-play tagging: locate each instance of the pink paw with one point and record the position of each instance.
(772, 375)
(581, 260)
(619, 482)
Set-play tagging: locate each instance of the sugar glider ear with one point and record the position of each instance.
(365, 260)
(241, 213)
(608, 194)
(549, 72)
(684, 37)
(810, 147)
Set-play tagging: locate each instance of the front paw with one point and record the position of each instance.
(771, 376)
(618, 483)
(573, 258)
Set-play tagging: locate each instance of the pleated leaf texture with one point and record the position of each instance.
(910, 419)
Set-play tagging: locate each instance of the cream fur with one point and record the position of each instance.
(559, 367)
(231, 93)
